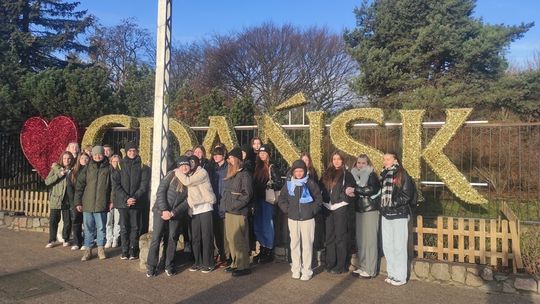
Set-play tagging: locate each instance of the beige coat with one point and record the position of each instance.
(201, 196)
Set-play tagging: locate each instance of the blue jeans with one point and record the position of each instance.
(394, 240)
(94, 228)
(263, 224)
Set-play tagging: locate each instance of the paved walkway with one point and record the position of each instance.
(29, 273)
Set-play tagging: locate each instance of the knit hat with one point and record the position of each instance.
(265, 148)
(98, 150)
(183, 160)
(130, 145)
(236, 152)
(299, 164)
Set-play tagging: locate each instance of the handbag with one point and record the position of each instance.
(270, 194)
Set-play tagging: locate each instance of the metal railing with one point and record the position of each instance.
(502, 161)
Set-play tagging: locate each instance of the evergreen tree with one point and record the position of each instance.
(35, 31)
(83, 93)
(211, 104)
(243, 111)
(136, 95)
(428, 53)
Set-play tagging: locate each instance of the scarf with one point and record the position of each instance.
(388, 184)
(361, 175)
(305, 197)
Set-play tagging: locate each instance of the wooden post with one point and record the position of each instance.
(482, 241)
(493, 241)
(450, 239)
(440, 241)
(472, 241)
(461, 240)
(420, 236)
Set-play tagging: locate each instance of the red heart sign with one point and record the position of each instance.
(43, 143)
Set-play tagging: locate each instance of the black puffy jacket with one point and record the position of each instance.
(168, 199)
(291, 204)
(365, 202)
(402, 197)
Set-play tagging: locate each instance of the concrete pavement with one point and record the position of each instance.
(29, 273)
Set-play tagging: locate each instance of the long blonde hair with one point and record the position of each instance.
(232, 169)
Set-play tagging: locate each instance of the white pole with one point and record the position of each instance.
(161, 118)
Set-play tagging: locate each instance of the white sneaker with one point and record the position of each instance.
(50, 245)
(388, 280)
(66, 244)
(114, 244)
(361, 273)
(305, 278)
(296, 275)
(75, 247)
(108, 244)
(398, 283)
(83, 248)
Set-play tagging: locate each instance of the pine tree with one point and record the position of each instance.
(243, 111)
(428, 53)
(211, 104)
(34, 32)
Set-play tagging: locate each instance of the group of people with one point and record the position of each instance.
(227, 204)
(102, 193)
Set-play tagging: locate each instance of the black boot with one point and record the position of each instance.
(267, 256)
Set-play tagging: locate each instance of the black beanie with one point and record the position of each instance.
(130, 145)
(299, 164)
(183, 160)
(236, 152)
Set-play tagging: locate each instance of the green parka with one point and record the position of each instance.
(93, 188)
(58, 189)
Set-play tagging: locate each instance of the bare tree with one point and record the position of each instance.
(273, 63)
(120, 47)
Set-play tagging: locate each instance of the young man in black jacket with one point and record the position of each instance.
(131, 183)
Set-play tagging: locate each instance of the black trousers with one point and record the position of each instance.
(169, 232)
(54, 219)
(130, 219)
(202, 239)
(336, 238)
(76, 226)
(219, 237)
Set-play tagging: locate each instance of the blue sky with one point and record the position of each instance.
(197, 19)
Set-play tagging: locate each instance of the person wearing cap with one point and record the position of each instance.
(237, 192)
(201, 199)
(301, 201)
(170, 211)
(218, 172)
(93, 199)
(131, 184)
(265, 176)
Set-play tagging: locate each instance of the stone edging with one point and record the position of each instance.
(23, 223)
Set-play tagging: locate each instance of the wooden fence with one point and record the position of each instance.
(477, 241)
(31, 203)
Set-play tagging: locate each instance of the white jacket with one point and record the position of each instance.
(201, 196)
